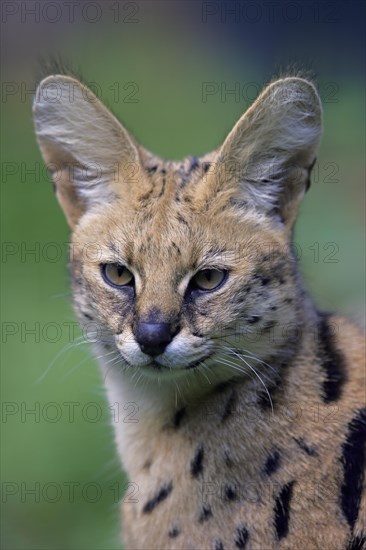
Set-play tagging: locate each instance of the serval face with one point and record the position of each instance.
(180, 265)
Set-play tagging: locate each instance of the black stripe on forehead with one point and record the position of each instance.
(186, 170)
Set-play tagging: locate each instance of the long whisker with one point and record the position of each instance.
(236, 367)
(236, 352)
(242, 359)
(87, 358)
(203, 373)
(71, 345)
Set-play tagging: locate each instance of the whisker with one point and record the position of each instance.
(87, 358)
(236, 367)
(237, 352)
(71, 345)
(242, 359)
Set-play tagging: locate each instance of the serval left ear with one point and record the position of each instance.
(85, 147)
(268, 155)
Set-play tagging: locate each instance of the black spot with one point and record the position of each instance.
(182, 220)
(265, 280)
(194, 164)
(147, 465)
(353, 460)
(311, 451)
(152, 169)
(87, 316)
(222, 386)
(282, 510)
(206, 166)
(230, 492)
(146, 217)
(308, 181)
(174, 531)
(159, 497)
(357, 543)
(332, 362)
(272, 463)
(241, 537)
(229, 406)
(205, 514)
(253, 320)
(176, 247)
(162, 188)
(178, 417)
(197, 462)
(147, 195)
(264, 402)
(163, 171)
(218, 545)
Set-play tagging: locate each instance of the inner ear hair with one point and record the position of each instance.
(269, 154)
(81, 141)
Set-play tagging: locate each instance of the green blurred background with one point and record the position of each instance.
(150, 62)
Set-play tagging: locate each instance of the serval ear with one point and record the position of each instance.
(268, 155)
(85, 147)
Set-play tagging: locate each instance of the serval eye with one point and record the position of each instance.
(116, 275)
(209, 279)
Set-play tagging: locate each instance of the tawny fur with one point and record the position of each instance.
(262, 445)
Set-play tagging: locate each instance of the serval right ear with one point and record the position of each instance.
(268, 155)
(82, 143)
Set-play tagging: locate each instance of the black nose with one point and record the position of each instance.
(153, 338)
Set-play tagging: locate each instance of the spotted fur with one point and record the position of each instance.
(251, 423)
